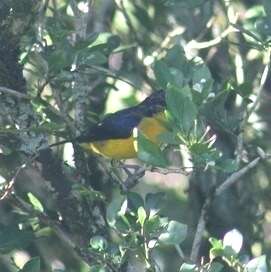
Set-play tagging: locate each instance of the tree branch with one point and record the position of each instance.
(88, 256)
(232, 179)
(13, 93)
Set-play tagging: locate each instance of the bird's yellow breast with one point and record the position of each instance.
(151, 127)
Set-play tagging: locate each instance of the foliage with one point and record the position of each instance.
(66, 63)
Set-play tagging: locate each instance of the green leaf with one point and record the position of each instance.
(257, 264)
(11, 237)
(216, 267)
(141, 214)
(202, 83)
(88, 41)
(149, 152)
(153, 202)
(35, 202)
(175, 234)
(218, 249)
(233, 239)
(188, 267)
(98, 243)
(40, 63)
(215, 252)
(201, 75)
(113, 42)
(169, 138)
(244, 89)
(180, 105)
(162, 74)
(228, 252)
(176, 58)
(60, 57)
(228, 165)
(216, 243)
(32, 265)
(154, 224)
(174, 69)
(112, 211)
(122, 224)
(134, 201)
(91, 58)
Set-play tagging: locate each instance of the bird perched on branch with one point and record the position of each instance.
(114, 137)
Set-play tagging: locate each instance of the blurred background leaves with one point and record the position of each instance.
(70, 62)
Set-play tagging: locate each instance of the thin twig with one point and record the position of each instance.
(8, 188)
(202, 45)
(167, 171)
(139, 171)
(180, 252)
(199, 232)
(155, 169)
(260, 89)
(19, 95)
(247, 114)
(233, 178)
(140, 66)
(122, 9)
(13, 93)
(109, 73)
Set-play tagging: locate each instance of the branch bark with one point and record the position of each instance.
(231, 180)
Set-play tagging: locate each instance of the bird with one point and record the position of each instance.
(114, 136)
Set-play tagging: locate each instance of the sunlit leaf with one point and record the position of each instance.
(257, 264)
(234, 239)
(175, 233)
(113, 209)
(35, 202)
(141, 213)
(98, 243)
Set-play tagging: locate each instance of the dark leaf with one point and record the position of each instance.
(141, 215)
(134, 201)
(181, 107)
(162, 74)
(32, 266)
(188, 267)
(149, 152)
(11, 238)
(153, 202)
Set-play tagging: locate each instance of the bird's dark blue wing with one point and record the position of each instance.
(120, 124)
